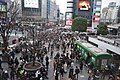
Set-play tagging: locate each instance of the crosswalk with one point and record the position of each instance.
(82, 76)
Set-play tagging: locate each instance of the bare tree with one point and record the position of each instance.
(8, 23)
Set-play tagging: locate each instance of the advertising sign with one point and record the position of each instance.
(97, 11)
(84, 5)
(31, 3)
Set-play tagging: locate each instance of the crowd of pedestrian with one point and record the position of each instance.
(60, 50)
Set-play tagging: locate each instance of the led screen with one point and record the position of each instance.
(84, 5)
(31, 3)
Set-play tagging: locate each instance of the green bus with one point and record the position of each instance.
(93, 55)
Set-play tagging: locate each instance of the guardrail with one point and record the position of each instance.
(106, 39)
(109, 41)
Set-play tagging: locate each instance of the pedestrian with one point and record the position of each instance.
(37, 75)
(77, 71)
(12, 53)
(16, 62)
(51, 54)
(5, 75)
(61, 71)
(90, 75)
(43, 72)
(11, 62)
(12, 73)
(71, 73)
(81, 66)
(47, 59)
(71, 63)
(55, 64)
(56, 74)
(68, 44)
(41, 58)
(49, 46)
(47, 64)
(65, 67)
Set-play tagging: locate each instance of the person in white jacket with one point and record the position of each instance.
(65, 67)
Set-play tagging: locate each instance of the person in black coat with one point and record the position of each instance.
(81, 66)
(5, 75)
(56, 74)
(77, 71)
(47, 59)
(16, 62)
(62, 71)
(71, 73)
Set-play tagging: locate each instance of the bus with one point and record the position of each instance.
(93, 55)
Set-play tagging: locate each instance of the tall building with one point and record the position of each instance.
(31, 10)
(110, 14)
(53, 12)
(69, 13)
(44, 10)
(83, 8)
(88, 9)
(96, 14)
(49, 11)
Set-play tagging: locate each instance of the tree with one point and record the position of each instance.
(74, 15)
(9, 23)
(102, 29)
(79, 24)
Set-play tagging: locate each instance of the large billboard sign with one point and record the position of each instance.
(96, 14)
(31, 3)
(84, 5)
(97, 11)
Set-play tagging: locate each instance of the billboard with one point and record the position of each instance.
(84, 5)
(31, 3)
(97, 11)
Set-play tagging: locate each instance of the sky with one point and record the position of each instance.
(63, 4)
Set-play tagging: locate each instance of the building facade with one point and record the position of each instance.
(84, 8)
(44, 9)
(90, 10)
(53, 12)
(49, 11)
(31, 10)
(70, 9)
(111, 13)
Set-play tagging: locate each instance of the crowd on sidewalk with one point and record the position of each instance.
(63, 61)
